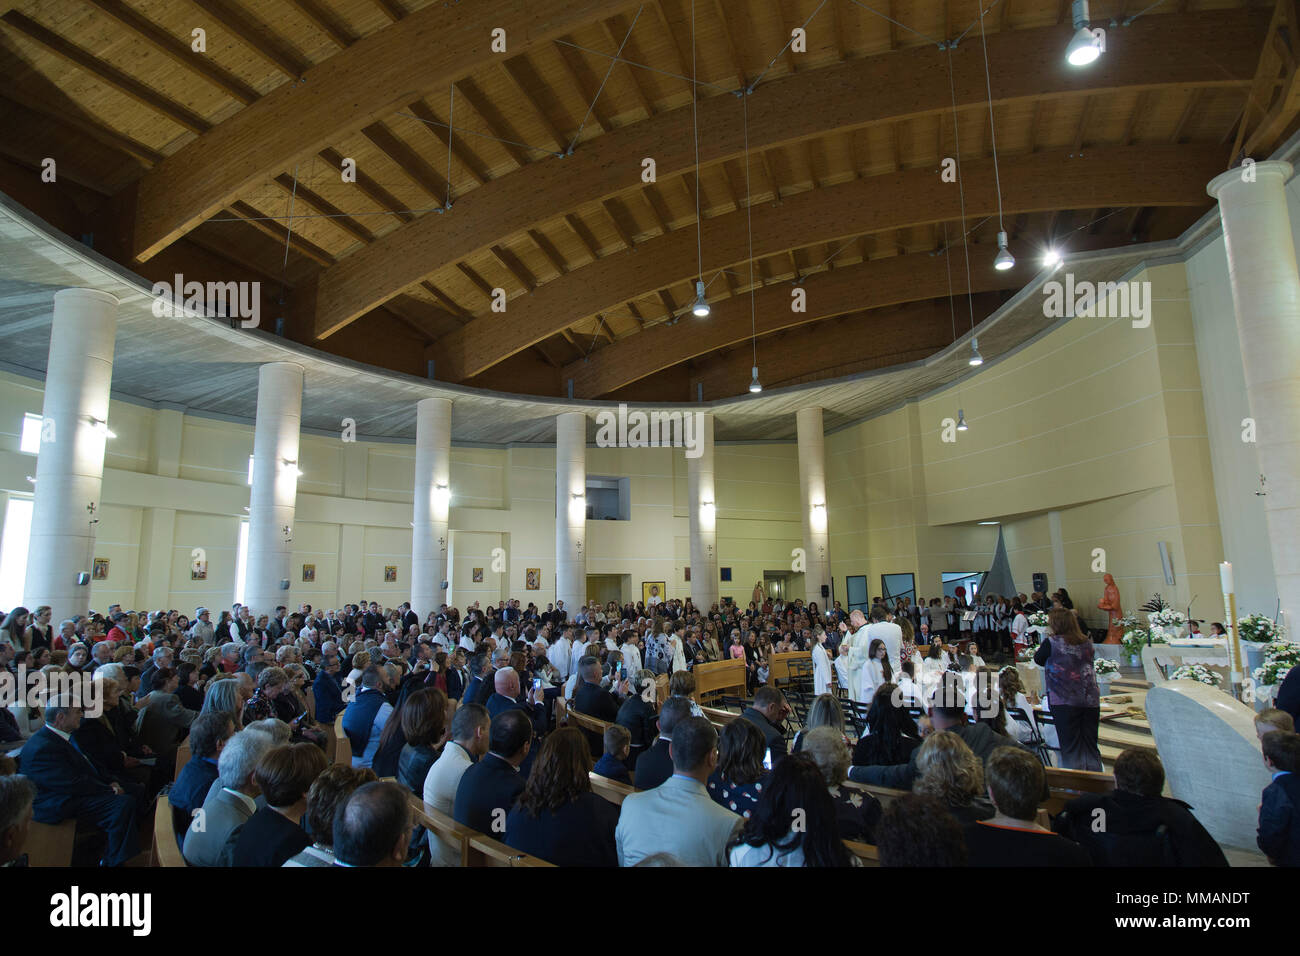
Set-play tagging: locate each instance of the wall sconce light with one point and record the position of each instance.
(441, 496)
(707, 509)
(102, 425)
(292, 465)
(819, 516)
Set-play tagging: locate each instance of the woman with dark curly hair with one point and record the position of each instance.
(794, 822)
(891, 735)
(740, 778)
(558, 818)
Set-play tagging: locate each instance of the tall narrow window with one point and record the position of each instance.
(241, 561)
(30, 444)
(13, 550)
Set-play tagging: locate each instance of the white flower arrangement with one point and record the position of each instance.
(1279, 658)
(1136, 637)
(1168, 617)
(1259, 629)
(1105, 667)
(1038, 619)
(1197, 672)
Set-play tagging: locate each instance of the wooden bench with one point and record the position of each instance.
(342, 746)
(51, 844)
(611, 790)
(713, 679)
(1065, 785)
(719, 718)
(182, 758)
(474, 848)
(864, 852)
(166, 851)
(587, 722)
(778, 666)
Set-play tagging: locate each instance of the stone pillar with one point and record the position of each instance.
(430, 537)
(571, 510)
(703, 519)
(1266, 299)
(812, 506)
(274, 493)
(70, 466)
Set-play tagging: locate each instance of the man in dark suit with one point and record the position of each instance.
(1142, 827)
(276, 627)
(328, 692)
(655, 765)
(593, 700)
(488, 789)
(1279, 810)
(506, 697)
(768, 713)
(409, 618)
(69, 785)
(480, 685)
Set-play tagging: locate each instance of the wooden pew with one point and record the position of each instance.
(886, 795)
(51, 844)
(719, 718)
(475, 849)
(182, 758)
(166, 851)
(587, 722)
(342, 746)
(611, 790)
(778, 665)
(713, 679)
(864, 852)
(1065, 785)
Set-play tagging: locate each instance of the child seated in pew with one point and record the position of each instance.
(1273, 719)
(618, 744)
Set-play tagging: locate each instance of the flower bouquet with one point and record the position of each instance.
(1038, 619)
(1197, 672)
(1279, 658)
(1259, 629)
(1105, 668)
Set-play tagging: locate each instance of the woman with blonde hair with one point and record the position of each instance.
(824, 712)
(948, 769)
(1011, 693)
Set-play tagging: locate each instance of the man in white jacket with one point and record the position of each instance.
(882, 627)
(560, 654)
(856, 639)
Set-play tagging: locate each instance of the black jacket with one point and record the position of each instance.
(654, 766)
(981, 739)
(267, 838)
(1138, 831)
(641, 720)
(772, 734)
(580, 833)
(456, 681)
(594, 701)
(488, 786)
(1279, 820)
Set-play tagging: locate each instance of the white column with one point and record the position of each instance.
(571, 510)
(430, 538)
(703, 520)
(812, 505)
(275, 486)
(1266, 299)
(70, 466)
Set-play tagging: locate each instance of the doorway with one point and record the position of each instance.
(604, 588)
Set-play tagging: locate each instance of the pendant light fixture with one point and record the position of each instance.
(1004, 260)
(1084, 48)
(701, 307)
(975, 357)
(755, 385)
(961, 421)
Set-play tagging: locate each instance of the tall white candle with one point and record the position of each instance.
(1225, 577)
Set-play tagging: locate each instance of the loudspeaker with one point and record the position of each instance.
(284, 584)
(1166, 563)
(826, 590)
(83, 578)
(1040, 582)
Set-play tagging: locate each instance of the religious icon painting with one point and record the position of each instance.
(390, 573)
(478, 575)
(100, 570)
(309, 573)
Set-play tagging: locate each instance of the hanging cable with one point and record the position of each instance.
(451, 130)
(695, 127)
(993, 133)
(961, 190)
(614, 59)
(749, 229)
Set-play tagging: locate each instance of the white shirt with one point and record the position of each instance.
(440, 792)
(821, 670)
(559, 656)
(892, 635)
(1018, 628)
(467, 643)
(631, 659)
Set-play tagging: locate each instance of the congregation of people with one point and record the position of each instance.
(476, 715)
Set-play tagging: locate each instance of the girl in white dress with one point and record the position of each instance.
(877, 671)
(842, 676)
(821, 665)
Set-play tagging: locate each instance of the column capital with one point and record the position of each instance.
(95, 294)
(1276, 168)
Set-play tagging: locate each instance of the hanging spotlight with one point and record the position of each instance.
(701, 307)
(961, 421)
(1051, 258)
(102, 425)
(975, 357)
(1084, 47)
(754, 385)
(1004, 259)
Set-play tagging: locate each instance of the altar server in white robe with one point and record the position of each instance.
(857, 641)
(821, 665)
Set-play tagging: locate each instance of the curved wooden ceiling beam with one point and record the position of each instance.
(1058, 179)
(1214, 49)
(868, 285)
(423, 52)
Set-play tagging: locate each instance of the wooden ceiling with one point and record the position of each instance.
(522, 170)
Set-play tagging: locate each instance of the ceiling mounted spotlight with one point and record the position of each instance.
(975, 357)
(1051, 258)
(701, 307)
(754, 385)
(1004, 259)
(1084, 46)
(961, 421)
